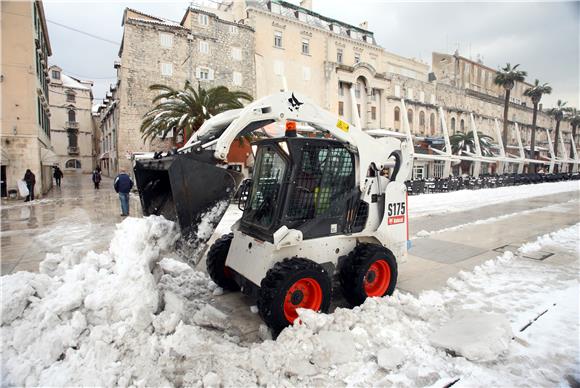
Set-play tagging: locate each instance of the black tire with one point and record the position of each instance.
(216, 263)
(355, 269)
(280, 279)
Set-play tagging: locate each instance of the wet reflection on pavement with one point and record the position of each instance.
(74, 216)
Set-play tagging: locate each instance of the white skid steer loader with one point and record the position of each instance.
(315, 208)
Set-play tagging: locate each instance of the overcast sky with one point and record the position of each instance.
(543, 37)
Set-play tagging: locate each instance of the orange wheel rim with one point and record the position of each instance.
(377, 278)
(305, 294)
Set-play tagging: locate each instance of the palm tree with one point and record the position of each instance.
(574, 122)
(507, 78)
(186, 110)
(558, 113)
(535, 93)
(461, 141)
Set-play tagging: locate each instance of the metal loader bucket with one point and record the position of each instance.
(187, 188)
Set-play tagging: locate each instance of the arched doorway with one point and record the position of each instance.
(360, 91)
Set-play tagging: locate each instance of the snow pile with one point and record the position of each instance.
(78, 306)
(566, 239)
(129, 317)
(455, 201)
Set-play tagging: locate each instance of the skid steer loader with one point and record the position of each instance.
(314, 210)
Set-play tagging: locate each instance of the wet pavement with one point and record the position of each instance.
(74, 215)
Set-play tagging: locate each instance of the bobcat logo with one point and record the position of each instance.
(294, 103)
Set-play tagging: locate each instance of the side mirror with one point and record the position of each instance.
(244, 193)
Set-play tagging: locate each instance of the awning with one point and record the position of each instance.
(4, 158)
(104, 155)
(48, 157)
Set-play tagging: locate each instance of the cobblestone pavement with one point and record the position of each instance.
(74, 215)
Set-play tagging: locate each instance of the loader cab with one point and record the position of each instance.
(302, 183)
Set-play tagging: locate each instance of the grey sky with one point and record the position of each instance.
(543, 37)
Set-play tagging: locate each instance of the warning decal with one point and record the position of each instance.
(395, 220)
(342, 125)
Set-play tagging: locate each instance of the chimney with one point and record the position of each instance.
(306, 4)
(364, 25)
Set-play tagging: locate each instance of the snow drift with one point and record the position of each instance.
(131, 316)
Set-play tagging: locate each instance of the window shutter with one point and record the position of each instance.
(197, 73)
(210, 72)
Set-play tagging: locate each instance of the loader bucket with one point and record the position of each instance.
(184, 188)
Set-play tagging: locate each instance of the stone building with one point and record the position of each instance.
(72, 131)
(324, 58)
(108, 119)
(205, 48)
(462, 87)
(24, 113)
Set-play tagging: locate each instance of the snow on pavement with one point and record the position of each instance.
(559, 207)
(132, 316)
(455, 201)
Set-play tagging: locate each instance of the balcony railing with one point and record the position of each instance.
(71, 124)
(73, 150)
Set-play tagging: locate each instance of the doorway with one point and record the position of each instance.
(3, 193)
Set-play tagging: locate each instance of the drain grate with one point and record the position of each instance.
(536, 255)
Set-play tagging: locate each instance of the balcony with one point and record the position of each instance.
(71, 124)
(73, 150)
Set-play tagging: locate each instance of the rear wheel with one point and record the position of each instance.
(289, 285)
(368, 271)
(216, 263)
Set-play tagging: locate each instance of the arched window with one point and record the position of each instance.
(422, 121)
(432, 123)
(410, 118)
(453, 124)
(72, 116)
(397, 118)
(72, 163)
(462, 125)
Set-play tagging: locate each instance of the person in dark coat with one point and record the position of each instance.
(123, 185)
(96, 178)
(30, 180)
(57, 175)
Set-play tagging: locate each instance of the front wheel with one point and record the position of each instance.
(216, 263)
(289, 285)
(368, 271)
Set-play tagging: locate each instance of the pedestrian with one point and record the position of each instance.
(30, 180)
(123, 185)
(57, 175)
(96, 178)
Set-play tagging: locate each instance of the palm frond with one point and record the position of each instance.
(185, 110)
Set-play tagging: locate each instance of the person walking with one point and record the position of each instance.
(30, 180)
(57, 175)
(123, 185)
(96, 178)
